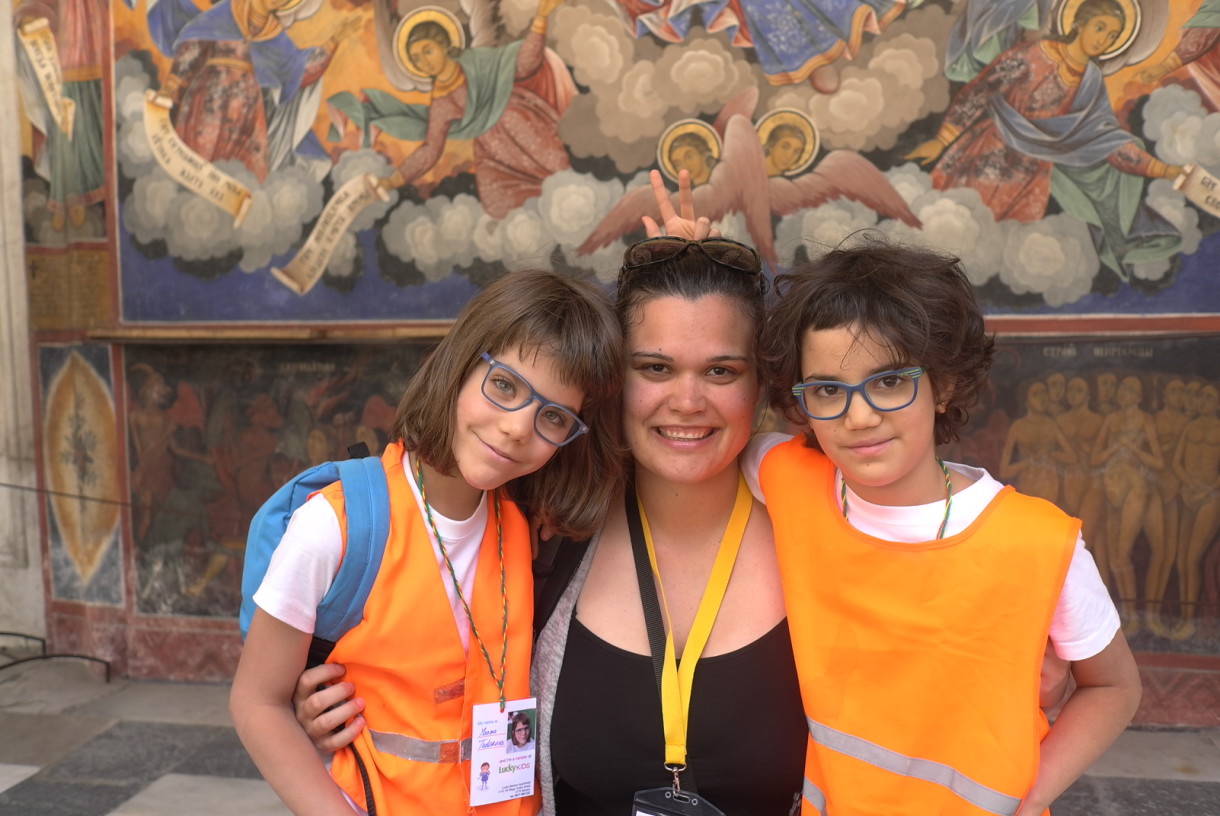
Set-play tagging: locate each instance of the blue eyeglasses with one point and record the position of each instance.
(887, 391)
(505, 388)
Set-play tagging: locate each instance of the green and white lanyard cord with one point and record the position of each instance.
(948, 496)
(499, 681)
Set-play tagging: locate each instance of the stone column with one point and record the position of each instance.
(21, 579)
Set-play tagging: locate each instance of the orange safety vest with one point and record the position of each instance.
(919, 664)
(406, 660)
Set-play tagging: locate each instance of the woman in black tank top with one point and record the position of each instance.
(691, 312)
(747, 735)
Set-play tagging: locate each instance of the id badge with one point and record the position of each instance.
(668, 802)
(502, 751)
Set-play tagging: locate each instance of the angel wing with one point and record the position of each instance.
(841, 174)
(741, 103)
(739, 184)
(623, 218)
(486, 24)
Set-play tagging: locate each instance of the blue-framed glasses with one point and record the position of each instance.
(505, 388)
(887, 391)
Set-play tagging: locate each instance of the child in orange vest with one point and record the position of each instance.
(519, 403)
(921, 594)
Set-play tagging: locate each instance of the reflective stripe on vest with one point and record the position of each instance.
(977, 794)
(420, 750)
(814, 796)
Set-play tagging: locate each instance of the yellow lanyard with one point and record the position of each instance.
(676, 681)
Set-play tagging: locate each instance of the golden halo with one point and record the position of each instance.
(426, 14)
(799, 120)
(680, 128)
(1131, 11)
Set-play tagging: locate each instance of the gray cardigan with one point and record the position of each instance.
(544, 673)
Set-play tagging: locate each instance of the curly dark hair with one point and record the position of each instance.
(914, 300)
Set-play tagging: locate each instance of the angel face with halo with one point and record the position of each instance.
(501, 96)
(760, 170)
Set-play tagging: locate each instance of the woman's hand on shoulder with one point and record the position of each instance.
(327, 709)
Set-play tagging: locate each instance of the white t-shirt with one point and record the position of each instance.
(1085, 618)
(307, 560)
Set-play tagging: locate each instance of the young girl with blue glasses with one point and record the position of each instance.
(518, 405)
(921, 594)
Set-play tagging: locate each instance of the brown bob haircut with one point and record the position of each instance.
(915, 301)
(532, 312)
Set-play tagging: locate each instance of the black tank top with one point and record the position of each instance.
(746, 732)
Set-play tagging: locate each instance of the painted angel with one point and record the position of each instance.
(241, 88)
(507, 98)
(987, 28)
(1037, 122)
(758, 177)
(73, 163)
(793, 40)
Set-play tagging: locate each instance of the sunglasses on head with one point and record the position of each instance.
(720, 251)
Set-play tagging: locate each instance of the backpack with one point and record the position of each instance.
(366, 502)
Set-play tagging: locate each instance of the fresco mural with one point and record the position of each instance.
(61, 59)
(376, 160)
(1125, 435)
(80, 456)
(201, 170)
(212, 433)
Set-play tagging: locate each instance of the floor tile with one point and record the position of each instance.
(133, 752)
(53, 686)
(33, 739)
(1157, 797)
(222, 755)
(196, 704)
(184, 795)
(1184, 755)
(1081, 799)
(43, 796)
(12, 774)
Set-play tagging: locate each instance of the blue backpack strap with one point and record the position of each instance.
(267, 528)
(366, 501)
